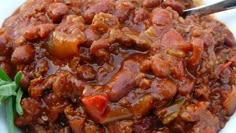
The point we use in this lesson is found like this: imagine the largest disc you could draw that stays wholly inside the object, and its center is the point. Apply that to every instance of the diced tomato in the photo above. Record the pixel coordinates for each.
(96, 105)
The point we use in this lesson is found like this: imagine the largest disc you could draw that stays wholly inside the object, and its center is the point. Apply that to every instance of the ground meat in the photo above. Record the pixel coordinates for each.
(34, 32)
(119, 66)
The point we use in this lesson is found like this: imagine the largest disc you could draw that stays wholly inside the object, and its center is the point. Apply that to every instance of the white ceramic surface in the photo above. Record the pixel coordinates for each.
(228, 17)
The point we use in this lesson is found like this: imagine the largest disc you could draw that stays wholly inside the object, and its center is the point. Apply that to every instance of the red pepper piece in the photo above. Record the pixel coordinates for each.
(96, 105)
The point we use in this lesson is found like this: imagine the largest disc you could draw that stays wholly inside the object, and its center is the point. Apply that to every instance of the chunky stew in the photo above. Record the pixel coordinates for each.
(119, 66)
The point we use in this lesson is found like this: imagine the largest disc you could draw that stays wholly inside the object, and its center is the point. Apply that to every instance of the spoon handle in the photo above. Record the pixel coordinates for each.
(209, 9)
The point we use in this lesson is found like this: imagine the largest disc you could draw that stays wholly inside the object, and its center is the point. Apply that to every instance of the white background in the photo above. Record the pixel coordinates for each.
(228, 17)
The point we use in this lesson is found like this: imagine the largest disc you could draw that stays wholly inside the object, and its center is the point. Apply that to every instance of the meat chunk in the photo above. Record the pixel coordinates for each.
(32, 109)
(86, 72)
(56, 11)
(72, 24)
(34, 32)
(99, 44)
(38, 85)
(23, 54)
(55, 106)
(104, 21)
(68, 86)
(76, 117)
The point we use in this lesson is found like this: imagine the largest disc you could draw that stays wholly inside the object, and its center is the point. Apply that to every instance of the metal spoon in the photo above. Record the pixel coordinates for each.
(209, 9)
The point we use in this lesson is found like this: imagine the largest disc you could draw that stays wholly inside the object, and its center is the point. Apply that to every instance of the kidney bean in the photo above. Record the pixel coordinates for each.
(91, 35)
(186, 86)
(160, 67)
(120, 85)
(141, 15)
(56, 11)
(23, 54)
(163, 89)
(161, 17)
(173, 40)
(151, 3)
(102, 6)
(175, 4)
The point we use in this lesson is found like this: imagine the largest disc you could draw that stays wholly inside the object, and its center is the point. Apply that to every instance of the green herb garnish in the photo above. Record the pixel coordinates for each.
(11, 93)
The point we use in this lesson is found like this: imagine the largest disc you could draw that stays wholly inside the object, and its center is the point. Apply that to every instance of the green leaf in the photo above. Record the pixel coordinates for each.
(10, 115)
(4, 76)
(11, 85)
(18, 78)
(8, 89)
(19, 95)
(2, 82)
(11, 92)
(7, 93)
